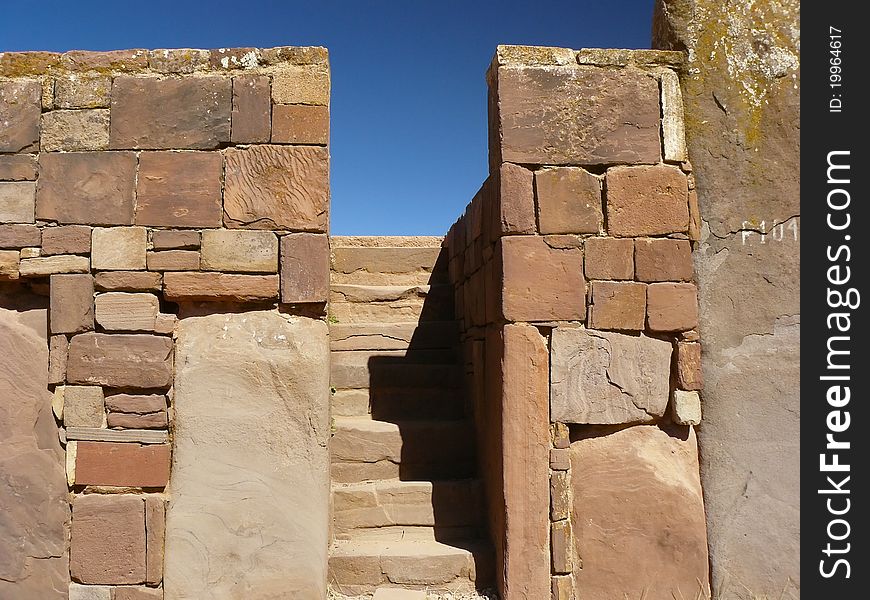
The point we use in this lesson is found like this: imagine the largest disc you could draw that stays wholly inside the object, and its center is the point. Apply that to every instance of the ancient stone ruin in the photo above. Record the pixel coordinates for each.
(206, 396)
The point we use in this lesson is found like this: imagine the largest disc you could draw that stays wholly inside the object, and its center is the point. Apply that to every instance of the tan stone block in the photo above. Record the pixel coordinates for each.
(78, 591)
(156, 420)
(563, 587)
(123, 311)
(179, 189)
(568, 200)
(301, 84)
(244, 251)
(178, 60)
(619, 305)
(85, 90)
(17, 201)
(20, 107)
(121, 464)
(562, 546)
(118, 248)
(9, 264)
(609, 258)
(129, 281)
(304, 268)
(66, 239)
(83, 406)
(688, 366)
(647, 200)
(30, 252)
(559, 459)
(75, 130)
(672, 306)
(663, 260)
(277, 187)
(52, 265)
(561, 435)
(300, 124)
(138, 593)
(165, 324)
(560, 499)
(219, 287)
(107, 538)
(155, 532)
(252, 105)
(19, 236)
(673, 127)
(686, 407)
(120, 360)
(173, 260)
(18, 167)
(72, 303)
(58, 348)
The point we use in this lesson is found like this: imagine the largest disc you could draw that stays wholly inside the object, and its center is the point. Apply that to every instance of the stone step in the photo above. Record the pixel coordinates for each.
(393, 336)
(359, 567)
(362, 368)
(427, 508)
(392, 404)
(390, 304)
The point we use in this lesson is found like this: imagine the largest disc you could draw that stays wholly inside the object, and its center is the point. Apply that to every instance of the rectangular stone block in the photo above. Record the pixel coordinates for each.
(30, 252)
(300, 124)
(686, 407)
(10, 261)
(647, 200)
(178, 60)
(75, 130)
(123, 311)
(619, 305)
(129, 281)
(301, 84)
(17, 201)
(155, 532)
(599, 377)
(179, 189)
(120, 360)
(136, 404)
(220, 287)
(609, 258)
(19, 236)
(672, 306)
(118, 248)
(72, 303)
(85, 90)
(92, 188)
(277, 187)
(78, 61)
(168, 239)
(173, 260)
(82, 405)
(516, 200)
(560, 497)
(157, 113)
(304, 268)
(122, 465)
(660, 259)
(562, 588)
(156, 420)
(252, 106)
(78, 591)
(18, 167)
(138, 593)
(240, 251)
(673, 127)
(20, 107)
(562, 546)
(688, 366)
(107, 538)
(51, 265)
(568, 200)
(66, 239)
(58, 347)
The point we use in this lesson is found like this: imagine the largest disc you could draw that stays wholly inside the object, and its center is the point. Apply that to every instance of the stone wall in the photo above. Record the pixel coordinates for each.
(575, 289)
(137, 187)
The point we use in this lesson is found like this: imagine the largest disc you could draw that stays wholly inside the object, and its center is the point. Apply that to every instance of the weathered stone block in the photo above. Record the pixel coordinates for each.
(672, 306)
(516, 200)
(219, 287)
(10, 261)
(562, 546)
(86, 187)
(75, 130)
(118, 248)
(157, 420)
(559, 459)
(78, 591)
(138, 593)
(51, 265)
(20, 107)
(173, 260)
(562, 588)
(155, 532)
(688, 366)
(252, 106)
(301, 84)
(136, 404)
(569, 201)
(673, 127)
(686, 407)
(277, 187)
(17, 167)
(120, 360)
(129, 281)
(66, 239)
(72, 303)
(134, 59)
(618, 305)
(663, 260)
(122, 465)
(304, 268)
(122, 311)
(58, 348)
(83, 406)
(107, 539)
(300, 124)
(178, 60)
(560, 496)
(19, 236)
(599, 377)
(86, 90)
(167, 239)
(243, 251)
(154, 113)
(17, 201)
(179, 189)
(647, 200)
(609, 258)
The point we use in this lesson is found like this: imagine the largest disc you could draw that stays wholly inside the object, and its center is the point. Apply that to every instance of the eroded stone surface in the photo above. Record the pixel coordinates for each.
(20, 107)
(108, 539)
(179, 189)
(120, 360)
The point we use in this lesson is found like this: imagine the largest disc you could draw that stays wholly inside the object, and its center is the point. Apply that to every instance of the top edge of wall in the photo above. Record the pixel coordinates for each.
(535, 56)
(392, 241)
(160, 61)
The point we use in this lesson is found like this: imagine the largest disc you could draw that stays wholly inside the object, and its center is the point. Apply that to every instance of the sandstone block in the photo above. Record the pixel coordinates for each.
(83, 406)
(123, 311)
(219, 287)
(9, 264)
(20, 107)
(686, 407)
(569, 201)
(560, 498)
(120, 360)
(663, 260)
(562, 587)
(129, 281)
(107, 539)
(561, 435)
(66, 239)
(252, 105)
(134, 59)
(540, 283)
(17, 167)
(52, 265)
(57, 355)
(156, 420)
(168, 239)
(136, 404)
(673, 128)
(118, 248)
(178, 60)
(18, 236)
(647, 200)
(30, 252)
(301, 84)
(304, 268)
(155, 532)
(173, 260)
(688, 366)
(86, 90)
(75, 130)
(609, 258)
(300, 124)
(179, 189)
(122, 465)
(242, 251)
(165, 323)
(618, 305)
(78, 591)
(694, 216)
(561, 546)
(72, 303)
(138, 593)
(17, 201)
(559, 459)
(155, 113)
(672, 306)
(86, 187)
(516, 200)
(277, 187)
(599, 377)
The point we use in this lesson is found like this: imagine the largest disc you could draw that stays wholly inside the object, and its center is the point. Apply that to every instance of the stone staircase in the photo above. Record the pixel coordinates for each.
(407, 509)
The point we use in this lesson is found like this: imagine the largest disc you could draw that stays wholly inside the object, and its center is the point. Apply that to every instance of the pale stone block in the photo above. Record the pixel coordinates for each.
(78, 591)
(119, 248)
(686, 407)
(53, 265)
(75, 130)
(237, 250)
(673, 127)
(9, 260)
(30, 252)
(301, 84)
(83, 406)
(122, 311)
(17, 201)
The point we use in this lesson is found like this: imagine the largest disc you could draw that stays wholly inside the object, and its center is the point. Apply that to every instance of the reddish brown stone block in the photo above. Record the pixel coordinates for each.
(663, 260)
(173, 260)
(688, 366)
(300, 124)
(157, 420)
(58, 347)
(163, 239)
(66, 239)
(20, 108)
(120, 360)
(122, 465)
(619, 305)
(72, 303)
(129, 281)
(19, 236)
(516, 200)
(155, 113)
(647, 200)
(672, 306)
(569, 201)
(113, 60)
(252, 105)
(219, 287)
(18, 167)
(304, 268)
(609, 258)
(179, 189)
(93, 188)
(107, 538)
(138, 593)
(136, 404)
(155, 532)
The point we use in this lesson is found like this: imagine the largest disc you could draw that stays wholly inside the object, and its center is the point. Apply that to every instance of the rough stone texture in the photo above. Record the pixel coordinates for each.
(167, 239)
(599, 377)
(609, 258)
(72, 303)
(672, 306)
(746, 160)
(686, 407)
(179, 189)
(118, 248)
(639, 515)
(158, 420)
(541, 283)
(18, 236)
(155, 532)
(562, 588)
(123, 311)
(560, 498)
(304, 268)
(242, 251)
(20, 107)
(155, 113)
(86, 187)
(138, 593)
(128, 281)
(663, 260)
(17, 201)
(20, 167)
(58, 348)
(617, 305)
(121, 465)
(75, 130)
(252, 106)
(82, 405)
(249, 443)
(51, 265)
(10, 261)
(139, 404)
(569, 201)
(647, 200)
(173, 260)
(108, 539)
(561, 546)
(91, 90)
(516, 200)
(66, 239)
(301, 84)
(120, 360)
(673, 125)
(687, 364)
(544, 116)
(33, 492)
(300, 124)
(220, 286)
(277, 187)
(78, 591)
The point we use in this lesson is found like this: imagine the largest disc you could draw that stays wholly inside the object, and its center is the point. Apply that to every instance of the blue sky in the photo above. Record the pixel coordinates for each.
(408, 92)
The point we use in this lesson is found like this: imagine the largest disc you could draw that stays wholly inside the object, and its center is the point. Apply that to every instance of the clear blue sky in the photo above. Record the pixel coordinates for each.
(408, 92)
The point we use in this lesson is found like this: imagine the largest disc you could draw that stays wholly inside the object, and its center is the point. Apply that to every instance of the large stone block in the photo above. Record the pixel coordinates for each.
(154, 113)
(599, 377)
(609, 258)
(516, 200)
(66, 239)
(252, 109)
(277, 187)
(120, 360)
(19, 236)
(662, 259)
(304, 267)
(72, 303)
(20, 107)
(119, 248)
(229, 287)
(568, 200)
(647, 200)
(179, 189)
(123, 311)
(241, 251)
(638, 515)
(249, 443)
(672, 306)
(301, 84)
(108, 539)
